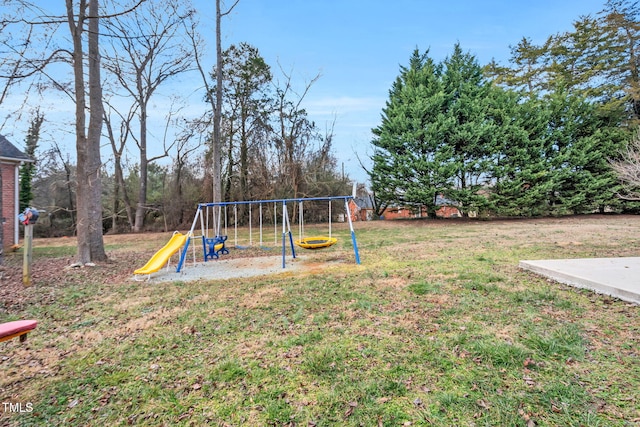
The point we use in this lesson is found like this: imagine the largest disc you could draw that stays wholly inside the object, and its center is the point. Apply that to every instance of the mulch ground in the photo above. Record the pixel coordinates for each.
(57, 272)
(47, 273)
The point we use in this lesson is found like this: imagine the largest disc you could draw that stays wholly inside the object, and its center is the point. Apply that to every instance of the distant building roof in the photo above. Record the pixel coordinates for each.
(441, 200)
(8, 151)
(364, 202)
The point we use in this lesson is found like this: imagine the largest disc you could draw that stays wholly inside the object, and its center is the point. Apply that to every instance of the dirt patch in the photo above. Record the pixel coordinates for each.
(48, 274)
(261, 298)
(222, 269)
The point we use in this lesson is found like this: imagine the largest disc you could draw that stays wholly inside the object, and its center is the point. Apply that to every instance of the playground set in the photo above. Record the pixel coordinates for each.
(214, 234)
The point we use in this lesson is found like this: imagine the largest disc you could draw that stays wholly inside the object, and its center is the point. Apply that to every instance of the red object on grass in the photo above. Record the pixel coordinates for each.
(18, 328)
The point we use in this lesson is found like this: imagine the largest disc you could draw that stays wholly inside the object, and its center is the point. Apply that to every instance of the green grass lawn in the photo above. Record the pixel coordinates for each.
(436, 327)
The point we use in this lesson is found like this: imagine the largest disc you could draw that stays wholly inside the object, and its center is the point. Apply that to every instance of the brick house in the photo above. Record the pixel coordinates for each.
(404, 212)
(10, 160)
(448, 208)
(362, 209)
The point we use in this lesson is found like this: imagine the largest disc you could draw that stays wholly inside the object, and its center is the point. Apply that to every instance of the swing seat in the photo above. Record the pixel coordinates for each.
(316, 242)
(214, 246)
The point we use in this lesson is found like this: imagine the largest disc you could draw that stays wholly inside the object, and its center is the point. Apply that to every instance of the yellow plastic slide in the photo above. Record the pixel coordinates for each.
(160, 258)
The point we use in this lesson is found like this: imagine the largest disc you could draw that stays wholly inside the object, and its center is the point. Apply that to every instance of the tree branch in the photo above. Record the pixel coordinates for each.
(230, 9)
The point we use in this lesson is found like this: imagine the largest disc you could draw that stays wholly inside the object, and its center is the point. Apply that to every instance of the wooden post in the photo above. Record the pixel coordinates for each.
(26, 263)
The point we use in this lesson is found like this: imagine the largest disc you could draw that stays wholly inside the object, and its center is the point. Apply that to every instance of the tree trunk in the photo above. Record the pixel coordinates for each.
(94, 181)
(121, 186)
(244, 161)
(178, 189)
(217, 114)
(142, 194)
(229, 175)
(89, 192)
(81, 139)
(144, 167)
(119, 178)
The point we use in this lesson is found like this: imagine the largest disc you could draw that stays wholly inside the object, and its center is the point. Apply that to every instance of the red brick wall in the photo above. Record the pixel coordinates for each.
(353, 210)
(8, 202)
(403, 213)
(358, 214)
(398, 213)
(448, 212)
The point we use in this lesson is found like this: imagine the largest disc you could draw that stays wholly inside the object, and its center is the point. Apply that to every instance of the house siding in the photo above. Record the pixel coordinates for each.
(404, 213)
(448, 212)
(9, 203)
(358, 213)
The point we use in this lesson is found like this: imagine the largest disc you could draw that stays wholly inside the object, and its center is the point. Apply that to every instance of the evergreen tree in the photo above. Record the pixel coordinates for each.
(411, 162)
(27, 170)
(520, 175)
(597, 60)
(620, 50)
(577, 61)
(441, 131)
(585, 82)
(528, 71)
(246, 108)
(579, 146)
(469, 131)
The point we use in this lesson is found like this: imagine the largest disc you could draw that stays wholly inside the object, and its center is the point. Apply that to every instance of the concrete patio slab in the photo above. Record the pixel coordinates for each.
(617, 277)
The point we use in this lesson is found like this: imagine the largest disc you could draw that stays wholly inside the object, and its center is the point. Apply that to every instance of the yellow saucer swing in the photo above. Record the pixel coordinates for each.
(313, 242)
(316, 242)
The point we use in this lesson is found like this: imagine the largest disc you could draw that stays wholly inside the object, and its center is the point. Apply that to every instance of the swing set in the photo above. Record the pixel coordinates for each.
(215, 233)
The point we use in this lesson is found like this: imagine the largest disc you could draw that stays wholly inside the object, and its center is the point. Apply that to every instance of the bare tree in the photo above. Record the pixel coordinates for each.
(146, 52)
(213, 94)
(188, 141)
(56, 154)
(24, 25)
(628, 170)
(17, 61)
(217, 112)
(89, 189)
(1, 225)
(294, 132)
(118, 144)
(82, 18)
(89, 192)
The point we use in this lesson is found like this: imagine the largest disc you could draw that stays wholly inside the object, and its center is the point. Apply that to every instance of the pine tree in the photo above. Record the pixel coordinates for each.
(469, 132)
(27, 170)
(442, 131)
(410, 160)
(620, 48)
(584, 83)
(520, 173)
(528, 71)
(598, 60)
(580, 145)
